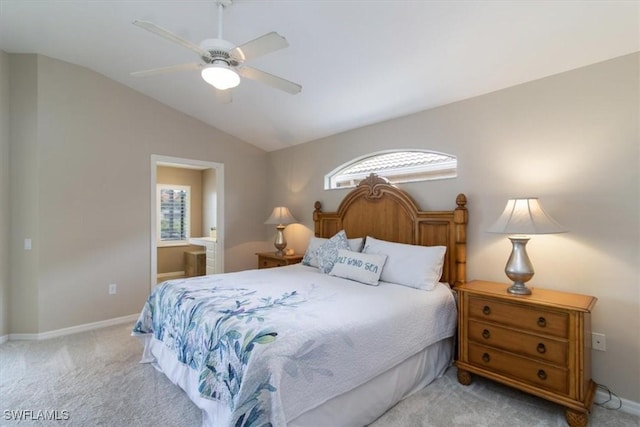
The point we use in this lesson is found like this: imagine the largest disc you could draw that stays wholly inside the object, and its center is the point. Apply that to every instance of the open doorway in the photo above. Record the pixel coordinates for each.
(210, 205)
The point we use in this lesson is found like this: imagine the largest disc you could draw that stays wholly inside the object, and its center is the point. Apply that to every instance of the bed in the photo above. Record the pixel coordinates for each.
(325, 342)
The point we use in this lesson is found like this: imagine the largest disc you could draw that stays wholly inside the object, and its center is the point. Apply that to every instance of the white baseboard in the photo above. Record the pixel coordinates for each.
(74, 329)
(628, 406)
(4, 339)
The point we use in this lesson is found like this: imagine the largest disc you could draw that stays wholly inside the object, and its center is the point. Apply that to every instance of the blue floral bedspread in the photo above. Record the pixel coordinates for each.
(258, 339)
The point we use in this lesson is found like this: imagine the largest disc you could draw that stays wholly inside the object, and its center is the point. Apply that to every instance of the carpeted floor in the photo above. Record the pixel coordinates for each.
(94, 379)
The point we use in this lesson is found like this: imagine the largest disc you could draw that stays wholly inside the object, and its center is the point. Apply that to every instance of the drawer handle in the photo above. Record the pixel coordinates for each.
(541, 348)
(542, 322)
(486, 334)
(486, 310)
(486, 358)
(542, 374)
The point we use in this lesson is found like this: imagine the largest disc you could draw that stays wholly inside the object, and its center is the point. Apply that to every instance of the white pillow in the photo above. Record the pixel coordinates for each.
(415, 266)
(311, 255)
(328, 252)
(364, 268)
(355, 245)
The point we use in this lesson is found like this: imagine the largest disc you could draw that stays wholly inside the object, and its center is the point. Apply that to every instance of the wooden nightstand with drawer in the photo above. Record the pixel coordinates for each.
(270, 259)
(538, 343)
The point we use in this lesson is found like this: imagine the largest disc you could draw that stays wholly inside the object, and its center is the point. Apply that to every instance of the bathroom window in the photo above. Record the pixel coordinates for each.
(173, 214)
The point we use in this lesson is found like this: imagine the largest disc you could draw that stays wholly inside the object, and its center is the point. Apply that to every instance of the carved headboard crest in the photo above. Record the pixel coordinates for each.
(378, 209)
(373, 183)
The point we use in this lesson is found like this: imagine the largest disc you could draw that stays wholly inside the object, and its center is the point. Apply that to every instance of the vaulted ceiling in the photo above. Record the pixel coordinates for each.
(359, 62)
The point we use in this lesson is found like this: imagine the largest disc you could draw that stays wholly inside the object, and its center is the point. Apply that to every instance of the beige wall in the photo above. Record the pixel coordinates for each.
(5, 191)
(171, 258)
(24, 182)
(81, 148)
(570, 139)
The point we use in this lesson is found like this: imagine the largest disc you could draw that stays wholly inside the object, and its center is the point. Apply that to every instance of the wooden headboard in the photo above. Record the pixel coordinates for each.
(378, 209)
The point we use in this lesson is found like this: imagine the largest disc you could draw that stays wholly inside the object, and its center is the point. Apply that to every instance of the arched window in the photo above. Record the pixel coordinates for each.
(396, 166)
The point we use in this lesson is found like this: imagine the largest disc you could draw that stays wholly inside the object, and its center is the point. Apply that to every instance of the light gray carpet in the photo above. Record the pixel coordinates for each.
(96, 377)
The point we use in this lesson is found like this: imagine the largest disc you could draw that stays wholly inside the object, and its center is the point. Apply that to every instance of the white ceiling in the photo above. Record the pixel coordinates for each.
(359, 62)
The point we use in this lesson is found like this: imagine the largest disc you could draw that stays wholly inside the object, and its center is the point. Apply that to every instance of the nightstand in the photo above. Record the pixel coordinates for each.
(538, 343)
(270, 259)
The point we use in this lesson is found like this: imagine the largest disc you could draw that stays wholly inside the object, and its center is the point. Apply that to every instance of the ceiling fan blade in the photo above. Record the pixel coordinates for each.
(269, 79)
(169, 69)
(168, 35)
(262, 45)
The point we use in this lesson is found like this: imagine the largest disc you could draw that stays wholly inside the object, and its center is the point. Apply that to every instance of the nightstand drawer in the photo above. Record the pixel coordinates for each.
(524, 369)
(271, 259)
(533, 346)
(268, 263)
(518, 316)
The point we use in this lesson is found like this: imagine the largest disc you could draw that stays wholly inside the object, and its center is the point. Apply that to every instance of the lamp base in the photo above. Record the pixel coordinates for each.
(280, 243)
(519, 288)
(519, 267)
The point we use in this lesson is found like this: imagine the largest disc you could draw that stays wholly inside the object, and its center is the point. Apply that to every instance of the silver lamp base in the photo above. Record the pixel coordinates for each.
(280, 243)
(519, 267)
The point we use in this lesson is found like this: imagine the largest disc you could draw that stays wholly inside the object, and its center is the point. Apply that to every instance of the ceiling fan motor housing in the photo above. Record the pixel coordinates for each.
(219, 50)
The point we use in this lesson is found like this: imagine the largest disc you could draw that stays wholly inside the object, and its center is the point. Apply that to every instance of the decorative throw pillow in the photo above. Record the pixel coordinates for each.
(328, 252)
(311, 255)
(415, 266)
(364, 268)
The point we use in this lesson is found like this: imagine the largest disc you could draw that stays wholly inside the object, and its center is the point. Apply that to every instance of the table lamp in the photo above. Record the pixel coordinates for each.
(522, 217)
(280, 216)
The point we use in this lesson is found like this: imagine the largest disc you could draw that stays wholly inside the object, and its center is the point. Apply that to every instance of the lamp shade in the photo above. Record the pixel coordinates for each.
(281, 216)
(220, 76)
(525, 216)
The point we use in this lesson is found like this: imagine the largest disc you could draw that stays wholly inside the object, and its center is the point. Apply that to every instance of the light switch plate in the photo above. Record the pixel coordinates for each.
(598, 342)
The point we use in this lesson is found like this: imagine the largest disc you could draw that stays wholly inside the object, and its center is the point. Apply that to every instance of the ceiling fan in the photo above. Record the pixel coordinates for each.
(222, 61)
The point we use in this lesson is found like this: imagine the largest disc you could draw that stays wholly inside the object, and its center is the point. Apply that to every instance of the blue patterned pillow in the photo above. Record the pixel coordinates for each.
(328, 252)
(311, 255)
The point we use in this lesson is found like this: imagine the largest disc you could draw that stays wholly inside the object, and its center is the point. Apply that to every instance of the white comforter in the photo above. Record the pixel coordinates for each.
(271, 344)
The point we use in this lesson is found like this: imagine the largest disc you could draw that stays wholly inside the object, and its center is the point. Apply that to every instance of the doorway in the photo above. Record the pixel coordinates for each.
(212, 208)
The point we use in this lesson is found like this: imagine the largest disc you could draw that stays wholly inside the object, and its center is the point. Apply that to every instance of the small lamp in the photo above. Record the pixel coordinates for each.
(522, 217)
(280, 216)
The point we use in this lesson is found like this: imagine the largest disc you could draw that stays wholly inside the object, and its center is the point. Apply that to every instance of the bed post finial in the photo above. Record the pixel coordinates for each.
(317, 209)
(461, 200)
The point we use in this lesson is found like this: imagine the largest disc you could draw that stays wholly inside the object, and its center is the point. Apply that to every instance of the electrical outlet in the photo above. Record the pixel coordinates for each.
(598, 342)
(113, 288)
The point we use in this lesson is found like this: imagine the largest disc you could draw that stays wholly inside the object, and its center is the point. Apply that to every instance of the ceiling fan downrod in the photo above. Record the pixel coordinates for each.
(221, 5)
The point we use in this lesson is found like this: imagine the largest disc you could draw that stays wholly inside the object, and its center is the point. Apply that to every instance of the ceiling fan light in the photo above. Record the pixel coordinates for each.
(220, 76)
